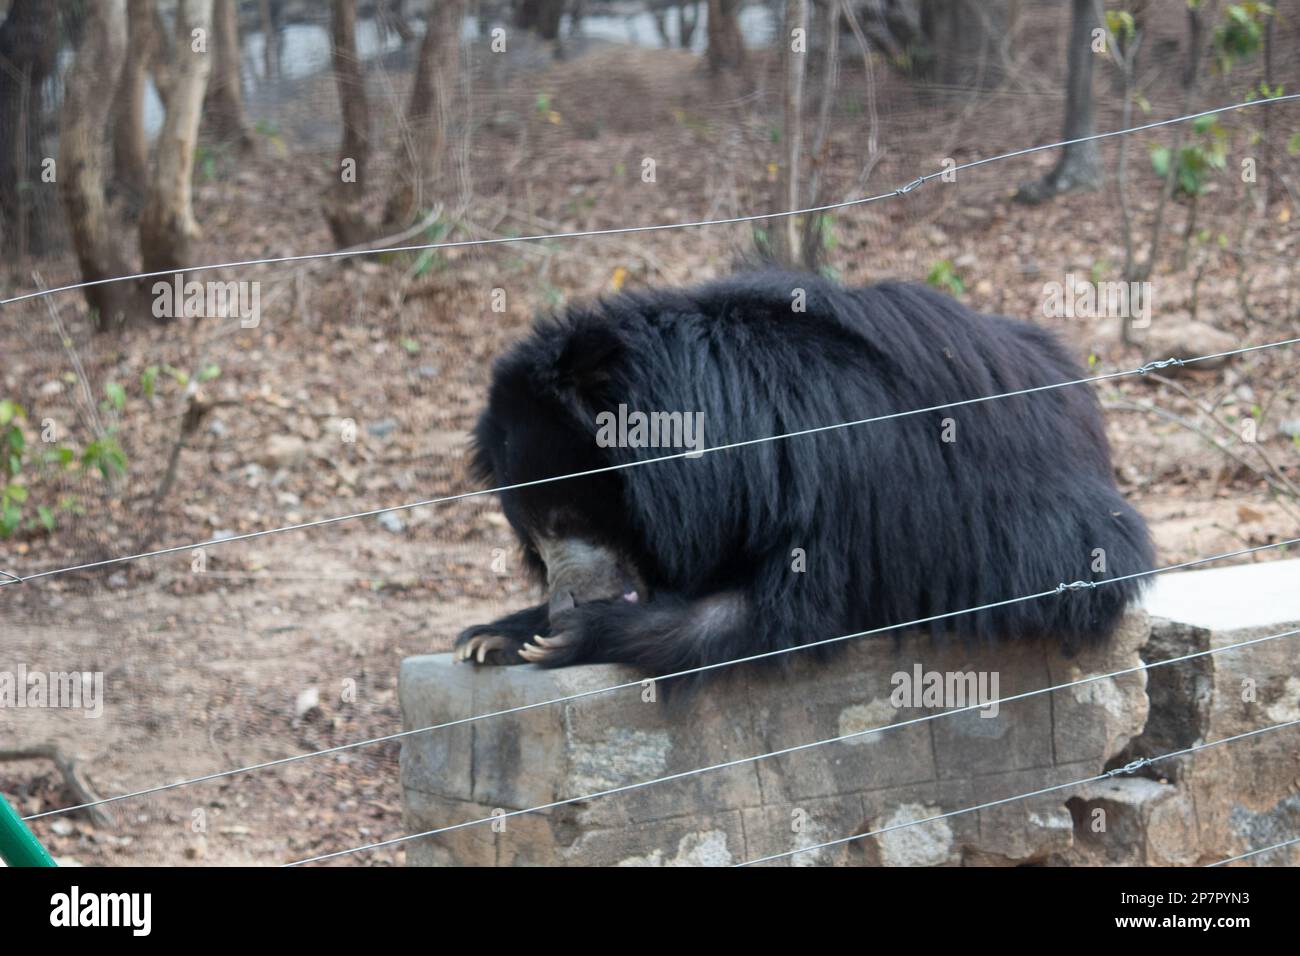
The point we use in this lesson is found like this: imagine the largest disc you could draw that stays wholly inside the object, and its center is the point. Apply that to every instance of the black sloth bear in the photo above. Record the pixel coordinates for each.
(672, 565)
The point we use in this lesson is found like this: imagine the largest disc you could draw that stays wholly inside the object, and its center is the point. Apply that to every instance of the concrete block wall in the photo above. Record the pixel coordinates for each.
(726, 816)
(1238, 797)
(1193, 810)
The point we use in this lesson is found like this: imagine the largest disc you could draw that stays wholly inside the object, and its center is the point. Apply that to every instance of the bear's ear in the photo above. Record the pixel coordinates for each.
(586, 361)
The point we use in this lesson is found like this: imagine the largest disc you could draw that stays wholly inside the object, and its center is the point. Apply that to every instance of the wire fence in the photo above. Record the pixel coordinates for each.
(658, 227)
(13, 578)
(10, 578)
(799, 748)
(641, 683)
(1263, 849)
(1118, 772)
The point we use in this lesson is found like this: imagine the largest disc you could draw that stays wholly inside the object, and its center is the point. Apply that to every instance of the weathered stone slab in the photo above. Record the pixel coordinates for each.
(756, 808)
(1229, 598)
(1135, 820)
(1242, 793)
(1194, 809)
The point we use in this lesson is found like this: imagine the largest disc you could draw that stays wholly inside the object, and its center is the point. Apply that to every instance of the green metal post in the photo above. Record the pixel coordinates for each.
(18, 845)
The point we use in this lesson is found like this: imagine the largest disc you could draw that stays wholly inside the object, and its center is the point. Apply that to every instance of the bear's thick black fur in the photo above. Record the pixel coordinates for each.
(893, 523)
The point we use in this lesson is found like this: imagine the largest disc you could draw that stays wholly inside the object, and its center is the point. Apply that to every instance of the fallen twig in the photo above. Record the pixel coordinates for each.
(67, 766)
(1281, 488)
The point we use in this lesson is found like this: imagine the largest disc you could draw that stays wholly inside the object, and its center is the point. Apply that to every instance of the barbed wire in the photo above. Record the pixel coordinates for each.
(1263, 849)
(388, 738)
(798, 748)
(12, 578)
(658, 227)
(1128, 768)
(1119, 771)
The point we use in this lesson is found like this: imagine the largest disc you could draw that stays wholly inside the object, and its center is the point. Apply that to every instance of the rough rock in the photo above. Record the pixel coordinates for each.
(873, 781)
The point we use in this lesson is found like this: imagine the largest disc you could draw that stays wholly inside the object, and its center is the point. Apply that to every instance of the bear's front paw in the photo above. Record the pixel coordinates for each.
(482, 645)
(573, 637)
(554, 651)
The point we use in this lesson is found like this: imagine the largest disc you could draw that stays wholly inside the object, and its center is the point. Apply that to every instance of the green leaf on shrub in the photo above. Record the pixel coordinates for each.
(148, 380)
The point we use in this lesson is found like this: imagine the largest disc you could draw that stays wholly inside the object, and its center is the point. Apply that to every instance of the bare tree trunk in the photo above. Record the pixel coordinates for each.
(1128, 63)
(814, 225)
(1270, 173)
(29, 43)
(391, 16)
(82, 143)
(726, 49)
(427, 114)
(1079, 166)
(1124, 52)
(1197, 18)
(344, 208)
(270, 37)
(966, 42)
(130, 145)
(787, 232)
(873, 115)
(686, 25)
(540, 16)
(660, 14)
(168, 227)
(224, 104)
(162, 62)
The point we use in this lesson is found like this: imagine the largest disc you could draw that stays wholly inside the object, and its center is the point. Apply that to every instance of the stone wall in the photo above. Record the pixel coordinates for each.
(1191, 810)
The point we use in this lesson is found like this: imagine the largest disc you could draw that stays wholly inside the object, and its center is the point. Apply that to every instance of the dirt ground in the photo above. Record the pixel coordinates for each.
(290, 643)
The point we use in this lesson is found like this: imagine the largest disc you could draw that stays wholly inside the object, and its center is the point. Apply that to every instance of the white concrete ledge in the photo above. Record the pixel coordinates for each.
(1229, 598)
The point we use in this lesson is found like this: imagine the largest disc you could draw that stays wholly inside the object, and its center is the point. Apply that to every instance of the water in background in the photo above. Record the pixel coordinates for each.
(304, 48)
